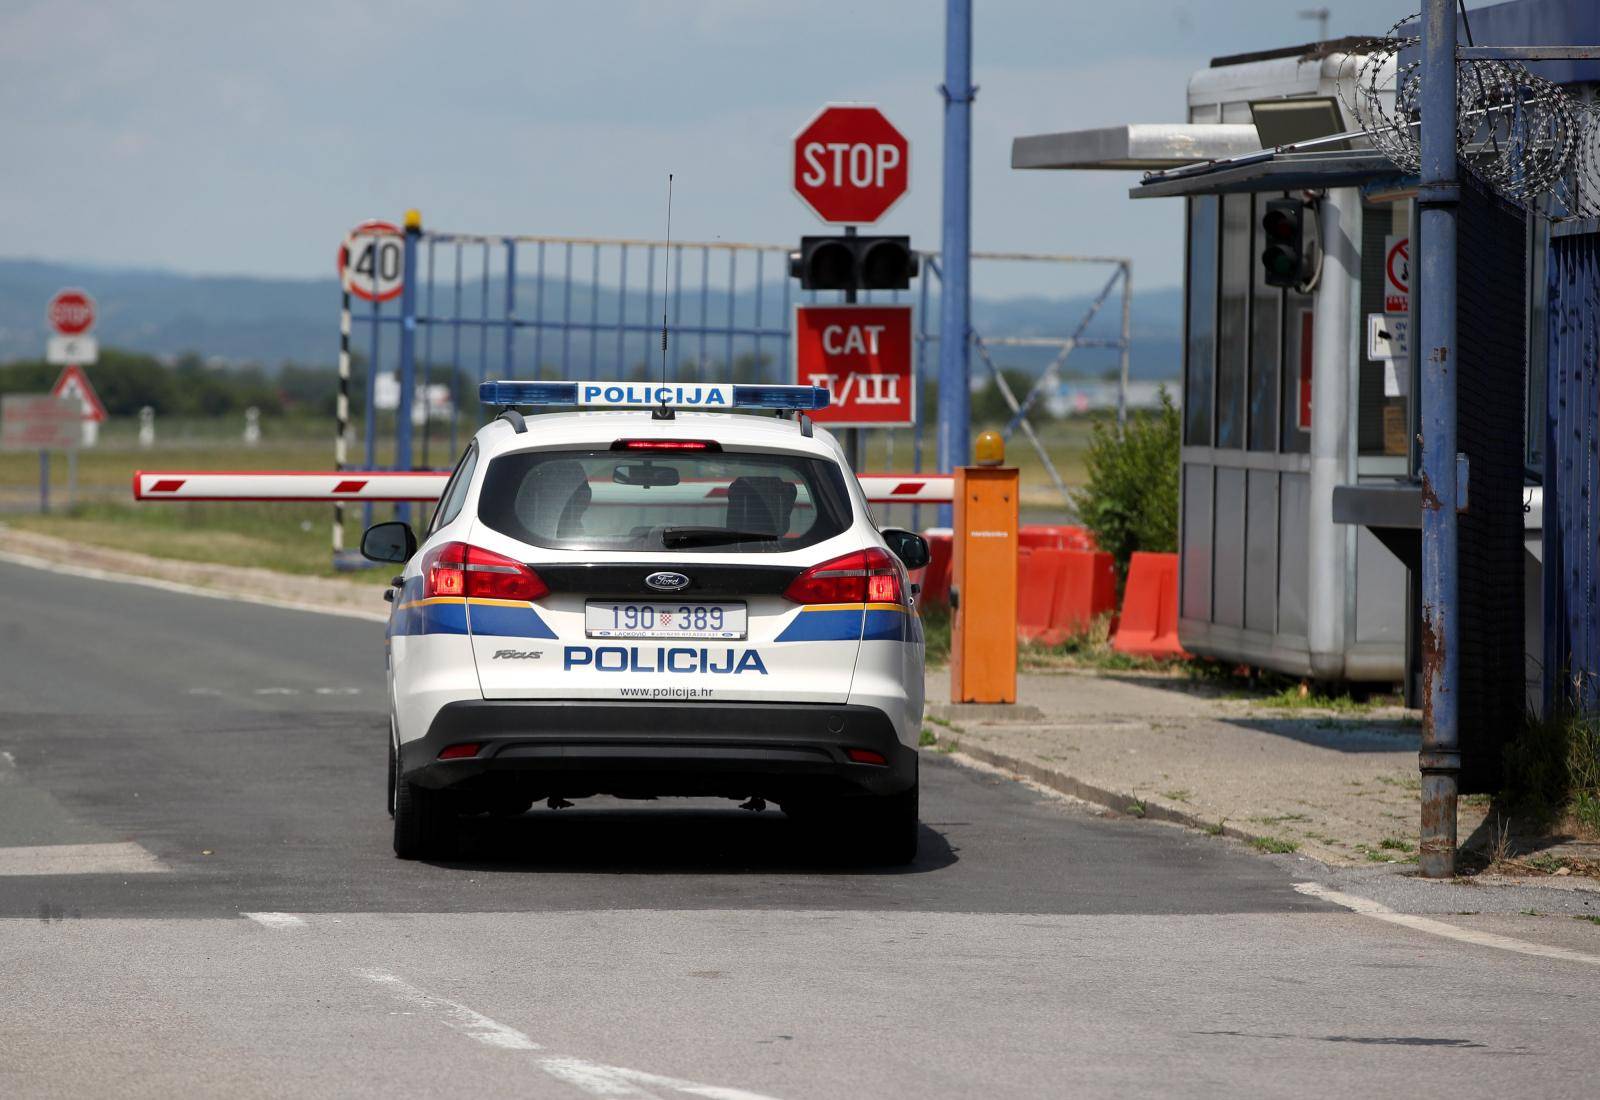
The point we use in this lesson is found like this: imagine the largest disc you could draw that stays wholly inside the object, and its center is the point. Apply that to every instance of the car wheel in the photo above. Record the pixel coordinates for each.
(424, 822)
(883, 828)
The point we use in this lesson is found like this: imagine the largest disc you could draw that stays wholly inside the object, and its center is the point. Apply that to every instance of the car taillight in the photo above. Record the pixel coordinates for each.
(666, 445)
(865, 576)
(459, 569)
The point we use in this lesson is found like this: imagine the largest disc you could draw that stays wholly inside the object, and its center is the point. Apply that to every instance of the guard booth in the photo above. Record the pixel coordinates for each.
(1301, 508)
(1282, 404)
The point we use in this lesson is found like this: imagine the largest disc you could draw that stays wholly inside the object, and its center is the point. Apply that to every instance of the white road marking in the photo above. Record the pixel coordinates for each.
(339, 691)
(124, 858)
(277, 691)
(1369, 908)
(277, 920)
(474, 1025)
(591, 1077)
(49, 566)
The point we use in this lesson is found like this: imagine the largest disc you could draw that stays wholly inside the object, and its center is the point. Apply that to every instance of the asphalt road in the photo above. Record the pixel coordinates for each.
(197, 896)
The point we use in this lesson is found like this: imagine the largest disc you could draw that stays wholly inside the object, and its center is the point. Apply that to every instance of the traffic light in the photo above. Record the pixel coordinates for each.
(854, 263)
(1283, 230)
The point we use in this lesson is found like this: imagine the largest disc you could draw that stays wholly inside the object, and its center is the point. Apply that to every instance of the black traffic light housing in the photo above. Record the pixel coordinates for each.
(853, 262)
(1285, 259)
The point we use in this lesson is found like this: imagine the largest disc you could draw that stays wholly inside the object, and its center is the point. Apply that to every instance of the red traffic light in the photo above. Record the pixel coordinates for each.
(1278, 225)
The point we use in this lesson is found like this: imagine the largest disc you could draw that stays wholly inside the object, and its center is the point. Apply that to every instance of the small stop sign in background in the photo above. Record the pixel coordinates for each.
(71, 312)
(862, 356)
(850, 164)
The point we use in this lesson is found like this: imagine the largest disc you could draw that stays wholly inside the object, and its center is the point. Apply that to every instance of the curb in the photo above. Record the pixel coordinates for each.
(1114, 801)
(956, 713)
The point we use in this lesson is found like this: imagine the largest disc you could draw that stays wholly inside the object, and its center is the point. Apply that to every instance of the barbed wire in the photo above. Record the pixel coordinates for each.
(1524, 136)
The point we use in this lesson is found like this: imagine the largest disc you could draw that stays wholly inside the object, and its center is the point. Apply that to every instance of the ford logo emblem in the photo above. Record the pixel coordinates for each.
(667, 582)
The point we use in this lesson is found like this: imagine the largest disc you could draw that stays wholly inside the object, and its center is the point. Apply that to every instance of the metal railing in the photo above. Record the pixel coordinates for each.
(484, 306)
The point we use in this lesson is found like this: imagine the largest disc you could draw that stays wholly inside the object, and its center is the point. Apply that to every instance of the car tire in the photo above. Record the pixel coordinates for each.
(424, 822)
(883, 828)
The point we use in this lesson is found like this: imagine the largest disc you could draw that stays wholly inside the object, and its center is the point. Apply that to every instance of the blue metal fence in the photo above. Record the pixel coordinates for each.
(477, 307)
(1571, 509)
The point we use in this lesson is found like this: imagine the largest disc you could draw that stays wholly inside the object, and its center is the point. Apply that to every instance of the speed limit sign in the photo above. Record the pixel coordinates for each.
(371, 261)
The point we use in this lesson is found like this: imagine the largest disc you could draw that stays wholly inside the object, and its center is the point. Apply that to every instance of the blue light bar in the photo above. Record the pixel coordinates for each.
(780, 397)
(650, 395)
(528, 393)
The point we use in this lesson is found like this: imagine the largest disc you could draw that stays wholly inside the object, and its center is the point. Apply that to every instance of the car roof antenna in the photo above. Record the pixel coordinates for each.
(665, 411)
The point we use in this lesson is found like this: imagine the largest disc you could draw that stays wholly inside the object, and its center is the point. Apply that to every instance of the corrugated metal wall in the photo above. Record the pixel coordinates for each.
(1572, 467)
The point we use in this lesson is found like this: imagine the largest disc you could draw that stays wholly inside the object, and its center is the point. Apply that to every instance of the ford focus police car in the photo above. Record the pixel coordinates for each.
(648, 597)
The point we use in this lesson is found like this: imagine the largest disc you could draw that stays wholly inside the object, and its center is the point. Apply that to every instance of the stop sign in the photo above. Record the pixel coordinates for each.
(71, 312)
(850, 164)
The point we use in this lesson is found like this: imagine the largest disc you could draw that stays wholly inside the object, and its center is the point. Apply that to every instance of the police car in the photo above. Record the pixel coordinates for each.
(673, 590)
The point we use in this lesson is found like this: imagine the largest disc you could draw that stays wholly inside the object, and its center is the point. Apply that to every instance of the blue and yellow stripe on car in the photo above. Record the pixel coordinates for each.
(464, 615)
(849, 622)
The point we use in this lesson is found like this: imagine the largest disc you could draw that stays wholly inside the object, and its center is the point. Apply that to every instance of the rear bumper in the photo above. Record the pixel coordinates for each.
(579, 748)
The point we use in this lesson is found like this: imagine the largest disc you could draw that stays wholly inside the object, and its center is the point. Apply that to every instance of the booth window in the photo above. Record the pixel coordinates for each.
(1200, 321)
(1298, 364)
(1382, 424)
(1266, 345)
(1233, 320)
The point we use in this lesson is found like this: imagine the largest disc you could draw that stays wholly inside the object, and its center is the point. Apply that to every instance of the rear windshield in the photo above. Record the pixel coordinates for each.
(688, 502)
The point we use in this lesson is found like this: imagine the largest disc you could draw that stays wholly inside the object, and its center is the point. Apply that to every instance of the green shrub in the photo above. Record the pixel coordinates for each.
(1554, 767)
(1131, 500)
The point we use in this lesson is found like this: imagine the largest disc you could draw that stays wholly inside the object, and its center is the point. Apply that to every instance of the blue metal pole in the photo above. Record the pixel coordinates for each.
(955, 252)
(1437, 199)
(408, 354)
(510, 364)
(373, 363)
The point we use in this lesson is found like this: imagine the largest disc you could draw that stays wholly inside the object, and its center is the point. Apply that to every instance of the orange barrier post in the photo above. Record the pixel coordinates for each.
(1087, 589)
(983, 579)
(936, 577)
(1149, 626)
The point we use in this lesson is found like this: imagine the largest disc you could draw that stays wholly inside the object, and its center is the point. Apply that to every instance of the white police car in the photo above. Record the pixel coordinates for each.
(654, 600)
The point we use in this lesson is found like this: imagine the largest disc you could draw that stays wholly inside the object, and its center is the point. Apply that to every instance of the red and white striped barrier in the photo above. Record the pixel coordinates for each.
(365, 485)
(287, 485)
(908, 488)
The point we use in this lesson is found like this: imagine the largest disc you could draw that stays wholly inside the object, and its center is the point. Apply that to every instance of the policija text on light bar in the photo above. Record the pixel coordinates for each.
(642, 395)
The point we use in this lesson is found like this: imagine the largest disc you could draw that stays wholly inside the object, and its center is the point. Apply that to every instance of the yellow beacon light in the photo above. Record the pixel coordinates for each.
(413, 218)
(990, 449)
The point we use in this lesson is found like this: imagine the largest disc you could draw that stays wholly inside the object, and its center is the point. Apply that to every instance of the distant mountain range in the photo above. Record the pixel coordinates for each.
(235, 320)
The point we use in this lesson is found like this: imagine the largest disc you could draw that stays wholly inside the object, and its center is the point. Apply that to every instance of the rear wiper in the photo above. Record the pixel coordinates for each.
(705, 536)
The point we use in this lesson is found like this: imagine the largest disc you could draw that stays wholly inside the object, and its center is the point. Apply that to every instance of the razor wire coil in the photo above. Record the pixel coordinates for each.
(1526, 137)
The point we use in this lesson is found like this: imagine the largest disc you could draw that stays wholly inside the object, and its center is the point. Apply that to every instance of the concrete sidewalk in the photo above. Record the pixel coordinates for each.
(1341, 787)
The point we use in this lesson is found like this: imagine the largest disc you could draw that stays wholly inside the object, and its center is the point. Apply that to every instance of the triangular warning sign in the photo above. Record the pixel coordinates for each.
(75, 384)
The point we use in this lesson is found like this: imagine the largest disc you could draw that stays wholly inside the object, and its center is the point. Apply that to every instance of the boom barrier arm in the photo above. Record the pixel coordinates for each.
(390, 486)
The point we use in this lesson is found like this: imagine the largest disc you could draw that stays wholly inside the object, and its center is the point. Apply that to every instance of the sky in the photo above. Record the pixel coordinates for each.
(246, 138)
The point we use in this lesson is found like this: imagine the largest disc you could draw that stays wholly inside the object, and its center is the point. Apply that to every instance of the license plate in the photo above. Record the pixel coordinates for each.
(617, 619)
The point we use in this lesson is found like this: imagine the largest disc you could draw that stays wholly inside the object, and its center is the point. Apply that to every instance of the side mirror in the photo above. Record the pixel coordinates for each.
(910, 547)
(391, 542)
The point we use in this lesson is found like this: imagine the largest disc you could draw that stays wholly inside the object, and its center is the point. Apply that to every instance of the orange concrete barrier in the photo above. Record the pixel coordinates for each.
(935, 579)
(1149, 623)
(1038, 576)
(1086, 588)
(1055, 536)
